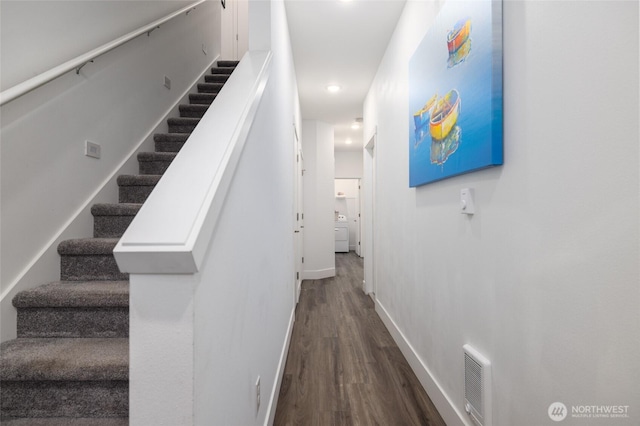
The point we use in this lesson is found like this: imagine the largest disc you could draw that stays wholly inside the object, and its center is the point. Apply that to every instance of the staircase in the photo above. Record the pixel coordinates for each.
(70, 362)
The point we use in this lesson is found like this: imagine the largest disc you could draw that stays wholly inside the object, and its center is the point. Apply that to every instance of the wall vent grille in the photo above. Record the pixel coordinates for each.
(477, 386)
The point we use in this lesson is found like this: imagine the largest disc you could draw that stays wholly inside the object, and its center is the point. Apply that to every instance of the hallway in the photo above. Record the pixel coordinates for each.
(343, 367)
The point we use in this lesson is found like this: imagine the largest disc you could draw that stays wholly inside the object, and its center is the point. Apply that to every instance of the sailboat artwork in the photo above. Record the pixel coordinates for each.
(446, 72)
(459, 42)
(440, 115)
(458, 35)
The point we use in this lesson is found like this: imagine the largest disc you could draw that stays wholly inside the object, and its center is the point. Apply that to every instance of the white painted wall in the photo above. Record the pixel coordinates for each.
(259, 18)
(544, 278)
(348, 164)
(47, 184)
(319, 200)
(39, 35)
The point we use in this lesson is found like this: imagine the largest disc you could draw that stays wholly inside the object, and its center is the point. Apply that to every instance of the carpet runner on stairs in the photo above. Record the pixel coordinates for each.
(70, 363)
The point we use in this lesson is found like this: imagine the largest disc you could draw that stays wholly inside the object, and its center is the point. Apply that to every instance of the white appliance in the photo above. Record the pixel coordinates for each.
(342, 236)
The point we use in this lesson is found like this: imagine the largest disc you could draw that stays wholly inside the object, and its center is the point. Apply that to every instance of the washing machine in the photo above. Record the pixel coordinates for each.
(342, 236)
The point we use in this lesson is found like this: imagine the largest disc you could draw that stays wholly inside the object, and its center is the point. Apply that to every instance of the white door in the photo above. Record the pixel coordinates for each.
(234, 29)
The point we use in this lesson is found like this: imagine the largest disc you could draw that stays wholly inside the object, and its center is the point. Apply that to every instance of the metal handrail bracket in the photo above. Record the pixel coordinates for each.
(80, 61)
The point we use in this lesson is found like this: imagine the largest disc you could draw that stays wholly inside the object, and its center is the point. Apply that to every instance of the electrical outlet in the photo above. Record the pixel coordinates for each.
(92, 149)
(167, 82)
(258, 394)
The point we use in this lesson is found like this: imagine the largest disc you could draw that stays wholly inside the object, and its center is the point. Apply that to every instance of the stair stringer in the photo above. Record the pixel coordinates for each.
(46, 263)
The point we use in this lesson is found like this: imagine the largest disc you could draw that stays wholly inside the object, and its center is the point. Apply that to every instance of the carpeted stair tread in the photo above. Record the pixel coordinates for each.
(138, 180)
(155, 163)
(202, 98)
(226, 63)
(136, 188)
(222, 70)
(112, 220)
(75, 294)
(210, 87)
(170, 142)
(115, 209)
(182, 124)
(66, 421)
(216, 78)
(78, 309)
(87, 259)
(194, 111)
(156, 156)
(64, 398)
(65, 359)
(171, 137)
(182, 121)
(87, 246)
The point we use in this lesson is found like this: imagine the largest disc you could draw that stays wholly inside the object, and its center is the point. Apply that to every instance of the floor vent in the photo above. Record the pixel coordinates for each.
(477, 386)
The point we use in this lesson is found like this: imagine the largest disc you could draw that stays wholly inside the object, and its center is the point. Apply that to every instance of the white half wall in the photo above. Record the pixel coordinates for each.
(231, 321)
(544, 279)
(245, 300)
(348, 164)
(319, 200)
(47, 183)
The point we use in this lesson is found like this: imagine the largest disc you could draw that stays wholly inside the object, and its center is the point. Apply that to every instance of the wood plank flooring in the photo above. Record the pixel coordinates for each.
(343, 367)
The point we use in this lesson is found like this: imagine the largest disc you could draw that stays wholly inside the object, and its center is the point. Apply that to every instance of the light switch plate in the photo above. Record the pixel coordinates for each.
(92, 149)
(467, 206)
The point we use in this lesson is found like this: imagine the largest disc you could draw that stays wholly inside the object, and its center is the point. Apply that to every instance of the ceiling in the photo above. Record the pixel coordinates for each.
(339, 42)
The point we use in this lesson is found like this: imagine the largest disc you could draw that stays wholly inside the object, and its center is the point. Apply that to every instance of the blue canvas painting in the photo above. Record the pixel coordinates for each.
(455, 93)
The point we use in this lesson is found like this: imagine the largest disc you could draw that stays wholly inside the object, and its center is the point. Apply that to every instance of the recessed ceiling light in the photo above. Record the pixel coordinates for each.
(355, 126)
(348, 141)
(333, 88)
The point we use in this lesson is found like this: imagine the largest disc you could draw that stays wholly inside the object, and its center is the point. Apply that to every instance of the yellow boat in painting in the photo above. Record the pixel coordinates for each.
(423, 116)
(444, 115)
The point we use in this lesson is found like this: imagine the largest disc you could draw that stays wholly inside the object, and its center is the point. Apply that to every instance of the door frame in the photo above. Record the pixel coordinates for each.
(358, 218)
(368, 212)
(359, 227)
(298, 213)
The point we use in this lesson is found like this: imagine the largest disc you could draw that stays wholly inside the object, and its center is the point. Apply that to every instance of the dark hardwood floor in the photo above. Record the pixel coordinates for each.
(343, 367)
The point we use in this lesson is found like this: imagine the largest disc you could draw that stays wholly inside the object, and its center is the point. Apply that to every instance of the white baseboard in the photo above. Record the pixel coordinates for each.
(273, 401)
(319, 274)
(450, 414)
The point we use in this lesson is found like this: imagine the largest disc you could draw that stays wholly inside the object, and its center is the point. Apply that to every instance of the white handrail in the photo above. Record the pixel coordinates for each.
(78, 62)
